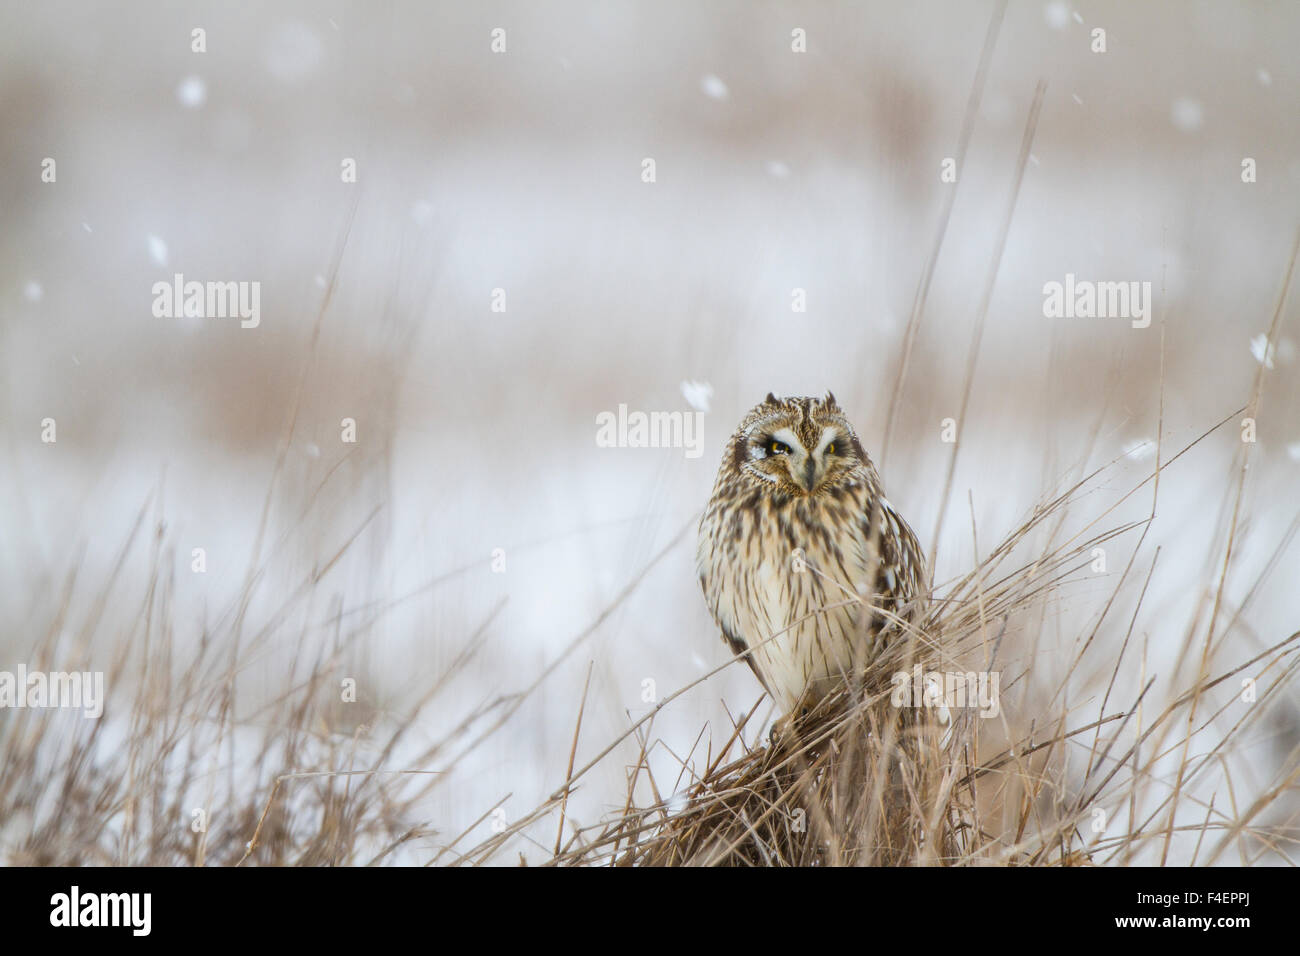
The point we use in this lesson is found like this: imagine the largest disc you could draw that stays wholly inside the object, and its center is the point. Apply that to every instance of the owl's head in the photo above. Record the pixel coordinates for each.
(797, 446)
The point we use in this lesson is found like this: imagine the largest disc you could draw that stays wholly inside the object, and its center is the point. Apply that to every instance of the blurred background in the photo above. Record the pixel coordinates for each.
(500, 273)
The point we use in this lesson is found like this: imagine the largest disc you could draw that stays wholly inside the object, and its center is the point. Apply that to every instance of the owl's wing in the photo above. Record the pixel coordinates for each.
(900, 563)
(907, 557)
(738, 646)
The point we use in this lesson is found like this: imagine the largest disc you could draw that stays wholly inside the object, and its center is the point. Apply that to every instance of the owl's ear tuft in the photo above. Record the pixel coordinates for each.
(831, 404)
(771, 400)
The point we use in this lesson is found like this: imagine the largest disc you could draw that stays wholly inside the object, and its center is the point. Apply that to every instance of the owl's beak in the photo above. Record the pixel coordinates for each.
(808, 477)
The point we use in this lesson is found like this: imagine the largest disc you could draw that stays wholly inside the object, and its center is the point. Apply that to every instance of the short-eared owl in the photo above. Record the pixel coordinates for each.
(798, 543)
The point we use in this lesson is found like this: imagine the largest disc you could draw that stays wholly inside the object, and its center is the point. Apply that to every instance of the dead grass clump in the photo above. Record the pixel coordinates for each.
(1076, 759)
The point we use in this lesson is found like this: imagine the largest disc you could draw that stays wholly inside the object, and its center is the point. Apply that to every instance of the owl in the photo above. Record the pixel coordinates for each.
(803, 561)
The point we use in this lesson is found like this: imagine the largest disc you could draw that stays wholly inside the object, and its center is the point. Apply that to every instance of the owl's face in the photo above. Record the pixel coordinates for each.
(796, 446)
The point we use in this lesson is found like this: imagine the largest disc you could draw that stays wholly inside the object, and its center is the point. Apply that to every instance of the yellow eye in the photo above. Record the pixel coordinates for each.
(778, 448)
(830, 449)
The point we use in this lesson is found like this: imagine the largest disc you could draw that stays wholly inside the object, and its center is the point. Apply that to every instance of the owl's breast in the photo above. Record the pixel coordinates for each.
(786, 582)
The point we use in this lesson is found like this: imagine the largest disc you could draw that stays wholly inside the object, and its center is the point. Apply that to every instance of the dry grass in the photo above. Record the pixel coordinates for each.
(1088, 758)
(1042, 782)
(300, 779)
(864, 781)
(124, 789)
(1095, 755)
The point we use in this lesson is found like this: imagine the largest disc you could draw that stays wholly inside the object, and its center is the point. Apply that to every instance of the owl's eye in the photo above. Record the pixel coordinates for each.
(775, 447)
(830, 449)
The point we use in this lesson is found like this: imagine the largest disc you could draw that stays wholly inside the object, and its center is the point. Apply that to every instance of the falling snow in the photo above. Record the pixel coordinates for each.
(293, 52)
(698, 394)
(713, 87)
(192, 92)
(158, 250)
(1187, 114)
(422, 212)
(1140, 449)
(1262, 350)
(1057, 14)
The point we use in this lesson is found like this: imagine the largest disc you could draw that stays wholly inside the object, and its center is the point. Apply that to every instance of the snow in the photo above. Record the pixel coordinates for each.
(1262, 350)
(698, 394)
(713, 87)
(293, 52)
(192, 92)
(1187, 114)
(1140, 449)
(422, 212)
(158, 250)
